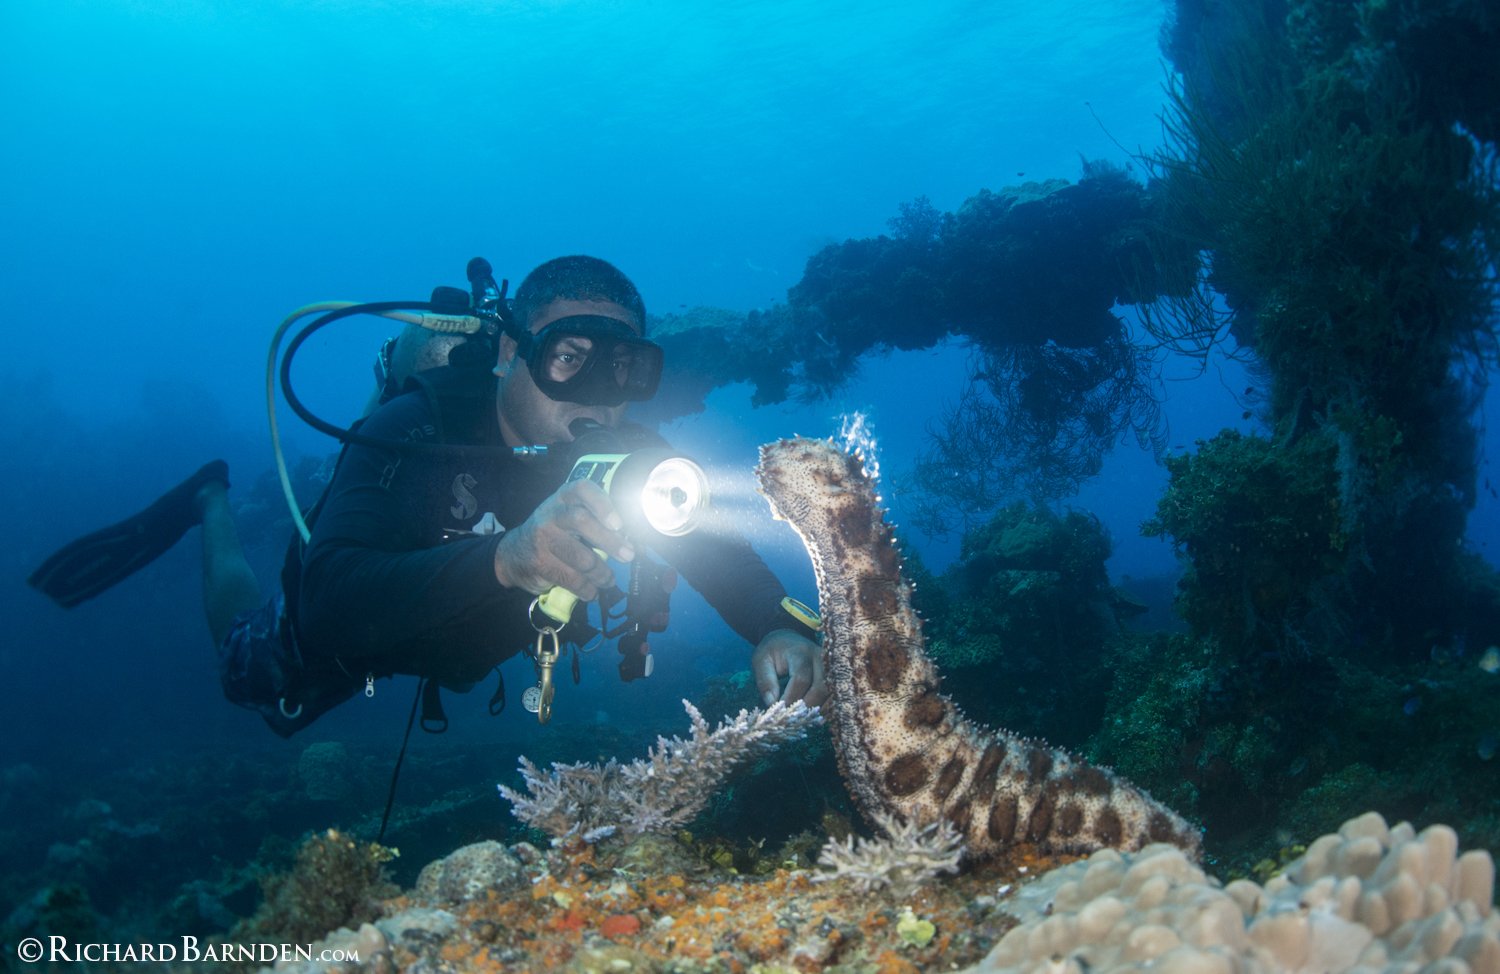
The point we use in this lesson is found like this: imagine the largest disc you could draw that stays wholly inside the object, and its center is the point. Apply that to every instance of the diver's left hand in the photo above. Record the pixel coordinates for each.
(783, 653)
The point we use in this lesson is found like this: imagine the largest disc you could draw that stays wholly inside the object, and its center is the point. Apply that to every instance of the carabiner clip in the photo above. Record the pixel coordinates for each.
(547, 653)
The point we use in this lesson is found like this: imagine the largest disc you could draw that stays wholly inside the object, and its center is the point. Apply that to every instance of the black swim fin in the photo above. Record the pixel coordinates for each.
(82, 569)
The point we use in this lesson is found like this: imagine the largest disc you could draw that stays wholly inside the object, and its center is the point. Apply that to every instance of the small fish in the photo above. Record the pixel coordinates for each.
(1412, 705)
(1490, 661)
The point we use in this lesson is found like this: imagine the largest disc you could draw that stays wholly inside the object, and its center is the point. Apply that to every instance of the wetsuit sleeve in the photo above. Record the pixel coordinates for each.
(373, 587)
(733, 579)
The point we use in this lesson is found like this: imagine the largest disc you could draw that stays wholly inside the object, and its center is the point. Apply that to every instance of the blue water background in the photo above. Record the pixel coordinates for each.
(179, 175)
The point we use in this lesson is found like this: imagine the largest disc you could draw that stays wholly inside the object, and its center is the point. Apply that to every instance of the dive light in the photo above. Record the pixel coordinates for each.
(654, 490)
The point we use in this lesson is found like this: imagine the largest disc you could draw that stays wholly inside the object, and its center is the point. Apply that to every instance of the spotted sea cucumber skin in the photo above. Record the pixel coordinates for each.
(903, 747)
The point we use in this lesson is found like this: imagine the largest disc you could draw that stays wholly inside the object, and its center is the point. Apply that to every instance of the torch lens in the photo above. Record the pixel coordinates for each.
(675, 496)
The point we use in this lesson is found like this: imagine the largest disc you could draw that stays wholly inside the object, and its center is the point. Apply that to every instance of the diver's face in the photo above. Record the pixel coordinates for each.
(527, 415)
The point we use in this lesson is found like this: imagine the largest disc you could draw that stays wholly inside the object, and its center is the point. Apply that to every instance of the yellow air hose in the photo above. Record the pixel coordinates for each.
(271, 360)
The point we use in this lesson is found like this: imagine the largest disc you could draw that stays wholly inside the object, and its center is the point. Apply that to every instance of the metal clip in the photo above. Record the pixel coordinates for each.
(547, 654)
(370, 684)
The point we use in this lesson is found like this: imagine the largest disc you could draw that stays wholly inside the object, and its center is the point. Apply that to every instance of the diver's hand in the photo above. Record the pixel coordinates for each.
(783, 653)
(555, 546)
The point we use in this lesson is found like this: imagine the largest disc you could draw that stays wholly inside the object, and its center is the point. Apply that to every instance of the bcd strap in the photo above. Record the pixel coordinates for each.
(434, 721)
(461, 402)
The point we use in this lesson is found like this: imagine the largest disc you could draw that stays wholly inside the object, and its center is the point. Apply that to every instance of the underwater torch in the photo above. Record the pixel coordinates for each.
(654, 490)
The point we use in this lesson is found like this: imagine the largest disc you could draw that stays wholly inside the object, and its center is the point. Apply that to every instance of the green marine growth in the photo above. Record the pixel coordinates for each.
(337, 881)
(1241, 700)
(1335, 164)
(1232, 722)
(1028, 607)
(1150, 730)
(1262, 531)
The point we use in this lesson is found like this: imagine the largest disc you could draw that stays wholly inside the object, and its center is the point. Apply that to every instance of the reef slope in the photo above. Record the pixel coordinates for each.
(903, 747)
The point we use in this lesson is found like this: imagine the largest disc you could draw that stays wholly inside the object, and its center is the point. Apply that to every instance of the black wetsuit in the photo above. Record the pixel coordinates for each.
(394, 580)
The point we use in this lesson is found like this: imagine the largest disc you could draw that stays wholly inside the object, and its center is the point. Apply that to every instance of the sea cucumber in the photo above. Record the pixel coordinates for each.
(903, 747)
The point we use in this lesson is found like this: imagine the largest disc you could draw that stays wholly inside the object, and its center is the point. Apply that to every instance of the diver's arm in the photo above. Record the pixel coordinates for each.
(732, 577)
(723, 567)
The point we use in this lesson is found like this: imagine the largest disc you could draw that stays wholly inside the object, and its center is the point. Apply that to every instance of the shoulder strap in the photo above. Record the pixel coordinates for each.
(462, 401)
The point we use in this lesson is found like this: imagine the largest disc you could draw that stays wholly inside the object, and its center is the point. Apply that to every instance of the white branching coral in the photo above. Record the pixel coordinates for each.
(663, 791)
(907, 856)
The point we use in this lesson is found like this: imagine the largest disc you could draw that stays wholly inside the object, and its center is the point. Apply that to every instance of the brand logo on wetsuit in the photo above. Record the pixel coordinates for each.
(467, 503)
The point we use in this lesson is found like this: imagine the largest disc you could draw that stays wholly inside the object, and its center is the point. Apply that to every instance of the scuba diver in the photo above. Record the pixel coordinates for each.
(454, 514)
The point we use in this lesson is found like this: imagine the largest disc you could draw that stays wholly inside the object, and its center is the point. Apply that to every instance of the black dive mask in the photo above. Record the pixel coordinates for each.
(591, 360)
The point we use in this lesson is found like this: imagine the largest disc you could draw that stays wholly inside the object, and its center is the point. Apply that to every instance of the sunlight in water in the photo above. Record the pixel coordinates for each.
(857, 436)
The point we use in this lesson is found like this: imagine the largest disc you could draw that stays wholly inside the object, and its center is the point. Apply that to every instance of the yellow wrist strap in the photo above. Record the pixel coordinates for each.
(800, 612)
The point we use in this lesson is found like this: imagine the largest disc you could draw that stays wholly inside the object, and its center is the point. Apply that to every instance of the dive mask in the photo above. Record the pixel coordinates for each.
(591, 360)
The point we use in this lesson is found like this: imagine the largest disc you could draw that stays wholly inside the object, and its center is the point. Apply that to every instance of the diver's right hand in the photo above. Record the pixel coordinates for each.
(555, 546)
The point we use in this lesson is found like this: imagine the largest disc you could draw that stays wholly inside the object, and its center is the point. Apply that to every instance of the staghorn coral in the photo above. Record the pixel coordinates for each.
(909, 855)
(903, 747)
(657, 794)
